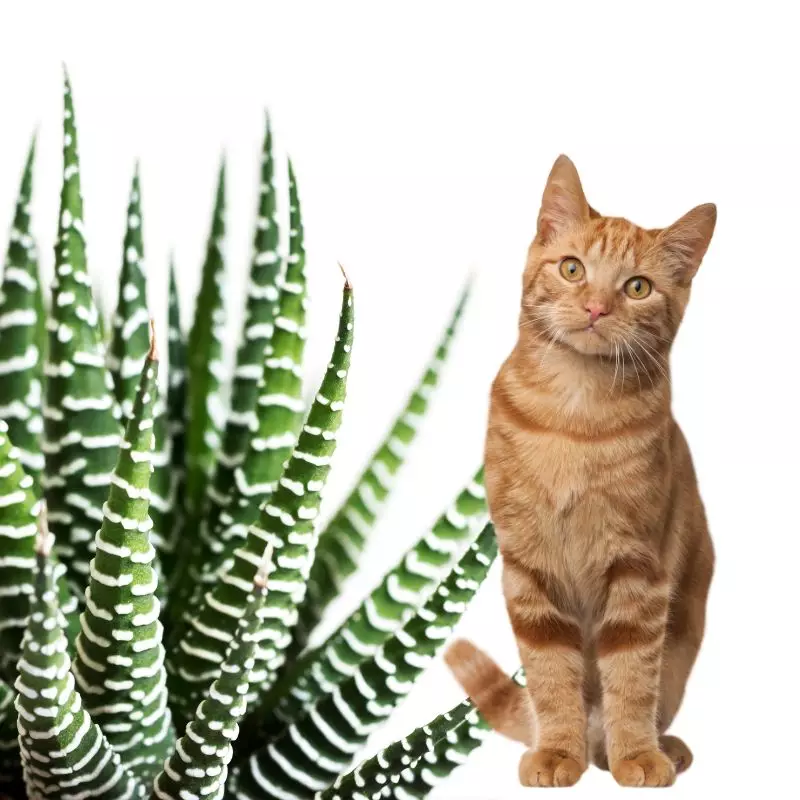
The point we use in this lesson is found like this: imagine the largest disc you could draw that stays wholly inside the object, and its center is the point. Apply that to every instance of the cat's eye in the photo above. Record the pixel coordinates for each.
(638, 288)
(571, 269)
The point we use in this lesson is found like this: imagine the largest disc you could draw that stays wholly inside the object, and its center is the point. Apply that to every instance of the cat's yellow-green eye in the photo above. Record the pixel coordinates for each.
(571, 269)
(638, 288)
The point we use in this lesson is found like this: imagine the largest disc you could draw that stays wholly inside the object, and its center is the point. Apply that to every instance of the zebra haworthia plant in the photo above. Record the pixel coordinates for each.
(162, 564)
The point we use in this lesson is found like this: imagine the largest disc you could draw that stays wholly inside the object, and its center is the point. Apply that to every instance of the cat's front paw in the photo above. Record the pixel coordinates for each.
(549, 768)
(651, 768)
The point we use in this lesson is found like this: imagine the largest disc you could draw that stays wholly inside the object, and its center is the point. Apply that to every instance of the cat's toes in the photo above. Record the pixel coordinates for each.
(548, 768)
(651, 768)
(678, 752)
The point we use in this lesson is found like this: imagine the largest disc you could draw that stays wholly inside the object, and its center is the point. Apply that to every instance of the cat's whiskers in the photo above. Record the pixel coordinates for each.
(553, 338)
(655, 358)
(616, 366)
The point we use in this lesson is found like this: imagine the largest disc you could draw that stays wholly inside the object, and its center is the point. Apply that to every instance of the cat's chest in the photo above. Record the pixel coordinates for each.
(568, 472)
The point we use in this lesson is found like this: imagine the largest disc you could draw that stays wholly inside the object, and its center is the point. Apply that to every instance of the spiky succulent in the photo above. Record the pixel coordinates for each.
(161, 561)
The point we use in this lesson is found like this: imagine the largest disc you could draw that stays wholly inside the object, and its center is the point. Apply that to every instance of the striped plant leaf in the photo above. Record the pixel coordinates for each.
(130, 337)
(343, 540)
(10, 770)
(252, 376)
(173, 544)
(393, 602)
(288, 523)
(449, 752)
(279, 412)
(130, 342)
(198, 767)
(120, 662)
(19, 509)
(205, 373)
(22, 334)
(63, 752)
(259, 315)
(379, 773)
(416, 781)
(81, 426)
(308, 756)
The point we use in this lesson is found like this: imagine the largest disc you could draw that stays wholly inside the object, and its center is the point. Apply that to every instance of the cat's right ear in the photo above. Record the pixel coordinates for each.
(563, 204)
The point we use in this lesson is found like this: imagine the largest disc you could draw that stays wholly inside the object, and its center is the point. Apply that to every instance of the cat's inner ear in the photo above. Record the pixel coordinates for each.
(684, 243)
(563, 204)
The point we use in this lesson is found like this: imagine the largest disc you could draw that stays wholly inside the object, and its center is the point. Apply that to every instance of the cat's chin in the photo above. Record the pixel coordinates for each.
(588, 342)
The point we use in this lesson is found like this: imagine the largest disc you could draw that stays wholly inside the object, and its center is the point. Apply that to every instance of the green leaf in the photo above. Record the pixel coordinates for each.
(448, 753)
(130, 342)
(393, 602)
(343, 540)
(381, 773)
(19, 509)
(64, 754)
(279, 412)
(130, 337)
(10, 770)
(416, 781)
(81, 428)
(309, 755)
(259, 315)
(174, 547)
(287, 522)
(198, 767)
(206, 412)
(22, 334)
(120, 662)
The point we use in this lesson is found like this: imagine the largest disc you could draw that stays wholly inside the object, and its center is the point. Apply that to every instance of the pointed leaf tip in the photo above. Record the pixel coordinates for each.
(152, 353)
(347, 284)
(262, 576)
(44, 539)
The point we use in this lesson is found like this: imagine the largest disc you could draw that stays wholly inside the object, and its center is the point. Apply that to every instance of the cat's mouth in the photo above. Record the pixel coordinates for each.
(588, 340)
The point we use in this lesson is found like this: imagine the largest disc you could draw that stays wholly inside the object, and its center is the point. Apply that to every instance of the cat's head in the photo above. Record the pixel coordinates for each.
(602, 286)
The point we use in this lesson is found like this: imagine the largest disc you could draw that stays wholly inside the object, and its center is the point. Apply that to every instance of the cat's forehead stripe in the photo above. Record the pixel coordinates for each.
(614, 240)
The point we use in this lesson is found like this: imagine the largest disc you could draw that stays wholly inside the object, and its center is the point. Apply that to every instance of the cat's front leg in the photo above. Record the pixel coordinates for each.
(630, 648)
(550, 644)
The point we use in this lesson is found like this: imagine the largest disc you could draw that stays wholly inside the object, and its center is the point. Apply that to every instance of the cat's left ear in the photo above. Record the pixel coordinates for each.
(685, 242)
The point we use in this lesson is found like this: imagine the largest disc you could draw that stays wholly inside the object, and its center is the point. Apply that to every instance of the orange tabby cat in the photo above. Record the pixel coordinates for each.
(607, 558)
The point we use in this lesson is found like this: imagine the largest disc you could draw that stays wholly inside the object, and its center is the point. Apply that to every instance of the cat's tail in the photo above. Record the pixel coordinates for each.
(502, 702)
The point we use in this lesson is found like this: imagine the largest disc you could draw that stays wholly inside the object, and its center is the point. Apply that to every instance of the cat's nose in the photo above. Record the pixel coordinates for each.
(596, 309)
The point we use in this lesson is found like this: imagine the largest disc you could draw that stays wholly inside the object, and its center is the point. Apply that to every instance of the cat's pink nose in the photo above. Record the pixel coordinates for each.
(596, 309)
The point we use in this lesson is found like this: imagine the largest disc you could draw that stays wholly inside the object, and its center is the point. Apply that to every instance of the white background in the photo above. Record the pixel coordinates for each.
(422, 134)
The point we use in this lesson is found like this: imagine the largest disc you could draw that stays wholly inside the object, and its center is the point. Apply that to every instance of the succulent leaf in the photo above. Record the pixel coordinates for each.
(198, 767)
(287, 522)
(64, 753)
(130, 338)
(19, 511)
(448, 753)
(279, 413)
(393, 602)
(383, 771)
(173, 546)
(130, 342)
(308, 756)
(81, 427)
(22, 334)
(259, 315)
(342, 541)
(120, 662)
(10, 769)
(206, 411)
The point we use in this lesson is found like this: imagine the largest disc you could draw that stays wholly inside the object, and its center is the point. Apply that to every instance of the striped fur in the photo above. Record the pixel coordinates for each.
(606, 552)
